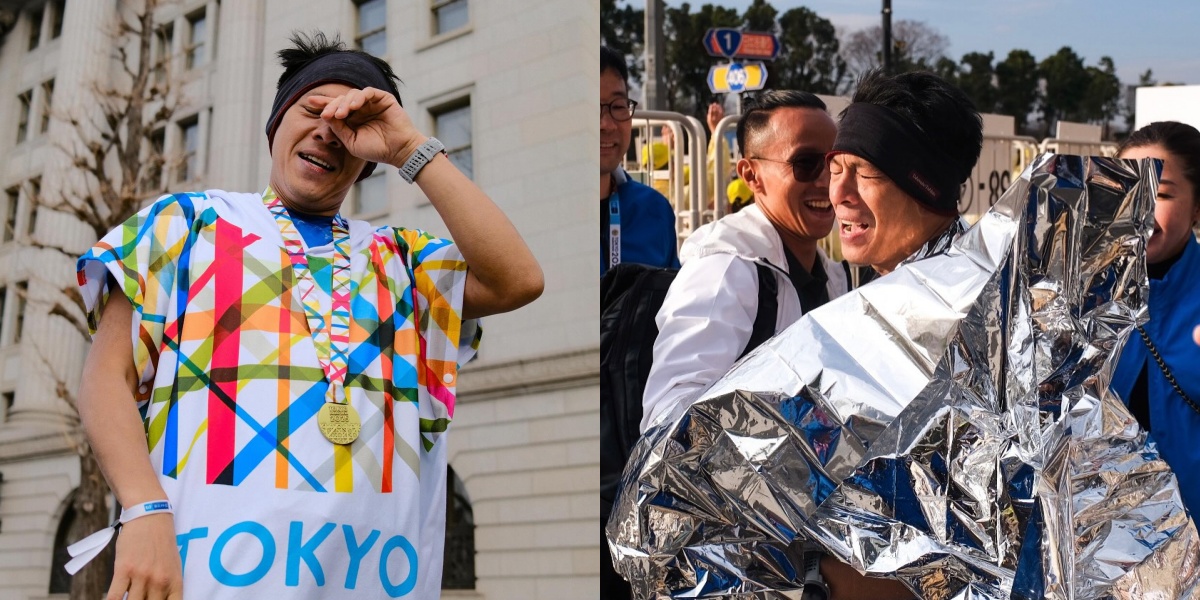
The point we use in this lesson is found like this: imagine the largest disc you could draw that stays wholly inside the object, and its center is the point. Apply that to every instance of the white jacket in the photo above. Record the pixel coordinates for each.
(708, 315)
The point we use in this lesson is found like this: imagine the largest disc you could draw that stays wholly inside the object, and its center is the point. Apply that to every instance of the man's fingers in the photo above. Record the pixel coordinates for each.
(137, 589)
(120, 584)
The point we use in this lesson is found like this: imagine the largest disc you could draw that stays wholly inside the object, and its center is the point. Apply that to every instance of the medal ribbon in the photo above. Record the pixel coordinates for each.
(330, 333)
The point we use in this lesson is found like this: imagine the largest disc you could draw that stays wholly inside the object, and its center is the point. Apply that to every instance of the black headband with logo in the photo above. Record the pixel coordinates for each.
(349, 68)
(904, 153)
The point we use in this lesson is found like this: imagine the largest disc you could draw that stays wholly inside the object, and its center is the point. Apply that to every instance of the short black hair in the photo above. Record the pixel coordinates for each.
(756, 111)
(611, 59)
(1179, 139)
(940, 110)
(311, 46)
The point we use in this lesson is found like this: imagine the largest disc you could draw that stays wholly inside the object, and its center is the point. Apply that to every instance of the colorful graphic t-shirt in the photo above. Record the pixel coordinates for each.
(231, 383)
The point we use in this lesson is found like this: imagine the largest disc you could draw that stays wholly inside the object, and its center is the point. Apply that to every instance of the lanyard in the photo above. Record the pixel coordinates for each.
(614, 231)
(330, 332)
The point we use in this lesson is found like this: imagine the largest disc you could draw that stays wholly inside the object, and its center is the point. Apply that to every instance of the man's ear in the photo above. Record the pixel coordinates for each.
(746, 170)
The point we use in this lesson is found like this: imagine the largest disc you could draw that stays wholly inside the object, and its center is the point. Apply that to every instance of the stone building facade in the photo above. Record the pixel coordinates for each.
(508, 86)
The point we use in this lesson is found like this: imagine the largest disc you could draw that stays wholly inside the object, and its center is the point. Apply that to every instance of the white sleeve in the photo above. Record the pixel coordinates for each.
(703, 327)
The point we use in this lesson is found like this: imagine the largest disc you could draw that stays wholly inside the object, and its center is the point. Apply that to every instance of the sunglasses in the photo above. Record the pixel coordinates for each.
(806, 166)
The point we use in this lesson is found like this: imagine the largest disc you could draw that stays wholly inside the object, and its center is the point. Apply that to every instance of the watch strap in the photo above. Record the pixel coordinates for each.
(814, 585)
(425, 153)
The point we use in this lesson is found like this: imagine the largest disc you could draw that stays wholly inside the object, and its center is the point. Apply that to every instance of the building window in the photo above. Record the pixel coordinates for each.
(371, 195)
(59, 7)
(3, 305)
(453, 127)
(35, 28)
(372, 21)
(33, 199)
(9, 398)
(25, 102)
(458, 560)
(47, 102)
(22, 292)
(156, 156)
(60, 580)
(163, 38)
(449, 15)
(197, 26)
(189, 133)
(9, 232)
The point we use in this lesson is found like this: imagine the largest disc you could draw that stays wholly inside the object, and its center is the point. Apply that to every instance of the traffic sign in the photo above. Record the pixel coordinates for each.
(737, 77)
(733, 43)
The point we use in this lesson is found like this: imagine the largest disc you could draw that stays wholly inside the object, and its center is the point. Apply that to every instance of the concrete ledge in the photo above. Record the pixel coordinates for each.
(570, 370)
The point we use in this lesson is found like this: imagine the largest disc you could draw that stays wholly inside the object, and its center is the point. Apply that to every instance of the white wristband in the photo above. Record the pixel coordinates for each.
(85, 550)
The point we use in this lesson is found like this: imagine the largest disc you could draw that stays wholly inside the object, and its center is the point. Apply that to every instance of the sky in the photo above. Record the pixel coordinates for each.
(1162, 35)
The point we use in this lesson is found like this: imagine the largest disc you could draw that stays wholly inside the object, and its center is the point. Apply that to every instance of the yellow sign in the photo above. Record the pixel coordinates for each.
(737, 77)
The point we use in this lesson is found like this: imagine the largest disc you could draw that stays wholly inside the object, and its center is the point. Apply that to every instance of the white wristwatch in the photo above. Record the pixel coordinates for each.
(425, 153)
(814, 584)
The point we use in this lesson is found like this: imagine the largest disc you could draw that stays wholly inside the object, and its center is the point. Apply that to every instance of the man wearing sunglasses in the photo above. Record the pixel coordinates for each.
(637, 224)
(708, 317)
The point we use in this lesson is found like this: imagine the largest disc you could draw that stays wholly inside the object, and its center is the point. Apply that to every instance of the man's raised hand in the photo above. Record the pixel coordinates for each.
(371, 124)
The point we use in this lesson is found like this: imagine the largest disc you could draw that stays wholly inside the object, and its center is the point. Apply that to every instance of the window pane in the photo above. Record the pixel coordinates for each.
(372, 194)
(3, 301)
(10, 217)
(191, 140)
(59, 8)
(47, 99)
(451, 16)
(22, 292)
(375, 44)
(372, 15)
(463, 160)
(35, 29)
(196, 38)
(26, 100)
(454, 127)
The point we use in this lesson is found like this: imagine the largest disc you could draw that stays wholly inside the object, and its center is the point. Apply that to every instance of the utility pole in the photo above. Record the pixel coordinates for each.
(655, 76)
(887, 37)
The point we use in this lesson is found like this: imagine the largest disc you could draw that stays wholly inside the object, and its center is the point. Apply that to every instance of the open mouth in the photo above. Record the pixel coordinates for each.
(316, 161)
(853, 228)
(819, 206)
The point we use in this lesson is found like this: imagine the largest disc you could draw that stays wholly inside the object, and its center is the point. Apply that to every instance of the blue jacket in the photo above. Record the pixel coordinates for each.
(1175, 426)
(647, 225)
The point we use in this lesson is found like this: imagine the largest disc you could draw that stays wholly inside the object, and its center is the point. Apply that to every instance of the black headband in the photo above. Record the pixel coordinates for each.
(903, 152)
(349, 68)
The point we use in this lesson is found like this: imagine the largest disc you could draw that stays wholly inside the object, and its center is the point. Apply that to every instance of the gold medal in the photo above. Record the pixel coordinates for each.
(339, 422)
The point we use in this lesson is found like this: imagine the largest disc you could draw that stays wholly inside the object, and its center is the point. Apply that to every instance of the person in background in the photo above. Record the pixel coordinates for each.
(637, 224)
(1157, 375)
(708, 316)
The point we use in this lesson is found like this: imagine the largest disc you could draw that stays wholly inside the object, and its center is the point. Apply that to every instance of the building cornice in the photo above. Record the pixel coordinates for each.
(579, 368)
(35, 442)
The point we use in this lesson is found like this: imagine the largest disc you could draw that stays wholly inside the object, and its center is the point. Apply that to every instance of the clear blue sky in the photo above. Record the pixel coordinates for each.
(1163, 35)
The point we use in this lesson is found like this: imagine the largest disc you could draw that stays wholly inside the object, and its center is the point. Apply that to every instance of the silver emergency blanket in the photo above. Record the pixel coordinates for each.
(949, 425)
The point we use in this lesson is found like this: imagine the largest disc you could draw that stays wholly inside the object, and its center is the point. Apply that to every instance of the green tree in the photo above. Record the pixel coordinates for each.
(759, 16)
(976, 80)
(947, 69)
(1066, 82)
(809, 60)
(686, 61)
(1017, 90)
(1102, 102)
(621, 28)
